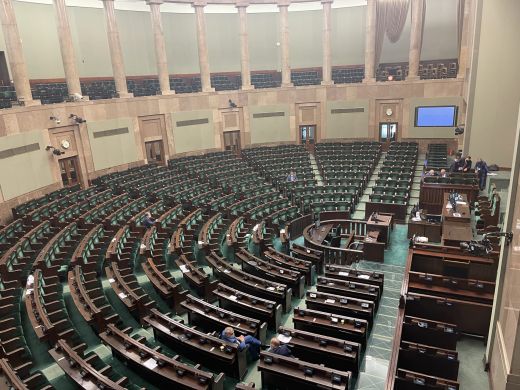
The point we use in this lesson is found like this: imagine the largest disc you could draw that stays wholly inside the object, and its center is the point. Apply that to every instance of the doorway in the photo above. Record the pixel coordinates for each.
(308, 136)
(232, 141)
(387, 134)
(69, 170)
(154, 152)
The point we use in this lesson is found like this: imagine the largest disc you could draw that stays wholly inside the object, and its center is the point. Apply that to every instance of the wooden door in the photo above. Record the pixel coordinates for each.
(154, 152)
(69, 170)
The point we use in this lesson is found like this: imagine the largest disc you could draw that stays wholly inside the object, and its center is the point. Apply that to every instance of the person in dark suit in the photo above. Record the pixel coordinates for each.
(457, 164)
(279, 348)
(148, 221)
(481, 170)
(228, 334)
(467, 164)
(443, 173)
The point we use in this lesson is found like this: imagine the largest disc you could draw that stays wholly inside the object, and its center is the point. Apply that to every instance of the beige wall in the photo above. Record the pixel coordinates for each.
(263, 52)
(25, 172)
(270, 129)
(305, 39)
(90, 44)
(113, 150)
(195, 136)
(347, 125)
(430, 132)
(347, 43)
(494, 86)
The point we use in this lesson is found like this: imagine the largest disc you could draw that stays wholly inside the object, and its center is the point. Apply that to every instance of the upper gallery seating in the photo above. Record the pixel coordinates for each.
(439, 69)
(347, 75)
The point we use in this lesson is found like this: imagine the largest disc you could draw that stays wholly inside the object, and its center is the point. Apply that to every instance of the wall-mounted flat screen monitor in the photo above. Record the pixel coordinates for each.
(436, 116)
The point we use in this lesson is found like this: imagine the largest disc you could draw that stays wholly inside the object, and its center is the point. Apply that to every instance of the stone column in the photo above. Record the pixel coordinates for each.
(205, 75)
(284, 42)
(465, 40)
(327, 56)
(13, 45)
(160, 47)
(370, 45)
(67, 49)
(116, 54)
(244, 46)
(416, 36)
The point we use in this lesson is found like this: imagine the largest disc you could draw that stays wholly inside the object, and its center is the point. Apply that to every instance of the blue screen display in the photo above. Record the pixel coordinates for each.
(438, 116)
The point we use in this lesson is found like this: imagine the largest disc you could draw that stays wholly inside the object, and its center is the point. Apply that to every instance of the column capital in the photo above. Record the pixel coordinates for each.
(199, 3)
(242, 4)
(327, 1)
(154, 2)
(107, 1)
(283, 3)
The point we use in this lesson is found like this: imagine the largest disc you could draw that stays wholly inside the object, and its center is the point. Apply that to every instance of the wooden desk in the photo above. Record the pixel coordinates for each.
(318, 235)
(425, 229)
(453, 233)
(382, 224)
(462, 210)
(288, 373)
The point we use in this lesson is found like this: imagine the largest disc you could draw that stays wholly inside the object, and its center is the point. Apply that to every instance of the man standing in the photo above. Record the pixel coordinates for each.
(228, 334)
(482, 170)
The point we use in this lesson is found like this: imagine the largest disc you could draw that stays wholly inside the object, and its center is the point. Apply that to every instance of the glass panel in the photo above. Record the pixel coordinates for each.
(304, 133)
(393, 131)
(311, 132)
(148, 147)
(383, 131)
(72, 172)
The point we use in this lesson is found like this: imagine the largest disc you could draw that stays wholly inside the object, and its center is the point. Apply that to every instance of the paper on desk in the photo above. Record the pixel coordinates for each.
(151, 364)
(363, 276)
(449, 206)
(284, 339)
(233, 297)
(330, 301)
(343, 273)
(270, 288)
(457, 215)
(461, 202)
(122, 295)
(111, 280)
(415, 219)
(184, 269)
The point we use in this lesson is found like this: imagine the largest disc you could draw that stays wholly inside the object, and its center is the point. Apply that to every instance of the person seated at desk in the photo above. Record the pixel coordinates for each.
(431, 172)
(228, 334)
(278, 348)
(148, 222)
(292, 176)
(443, 173)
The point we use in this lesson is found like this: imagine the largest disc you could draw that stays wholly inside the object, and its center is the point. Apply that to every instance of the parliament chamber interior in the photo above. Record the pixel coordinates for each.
(259, 194)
